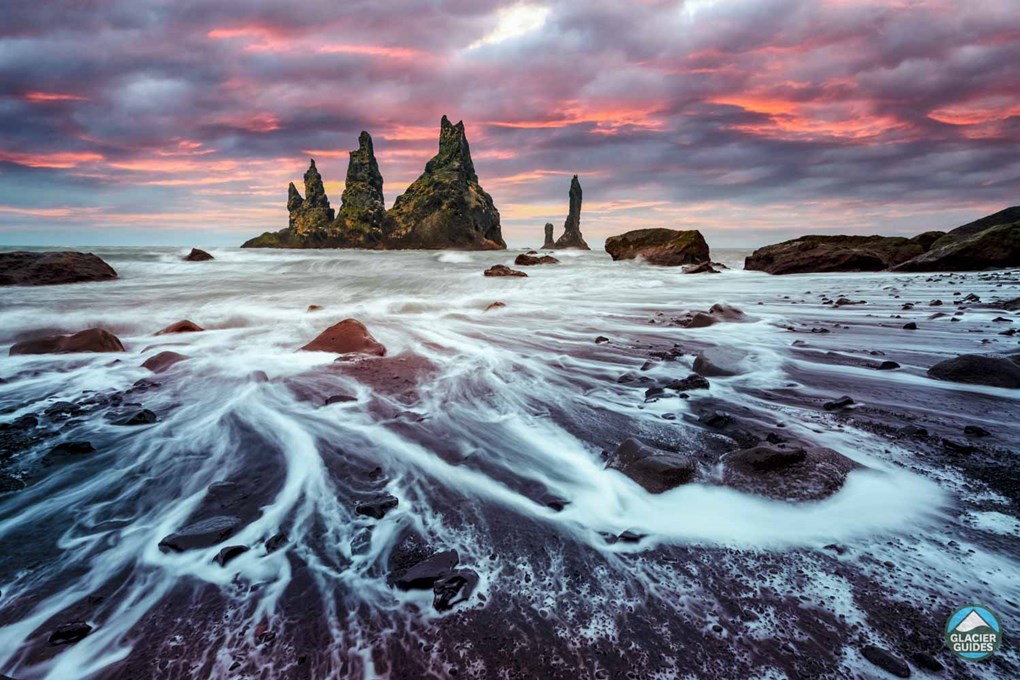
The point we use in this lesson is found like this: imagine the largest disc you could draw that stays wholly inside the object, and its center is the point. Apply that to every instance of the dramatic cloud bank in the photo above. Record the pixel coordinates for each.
(160, 121)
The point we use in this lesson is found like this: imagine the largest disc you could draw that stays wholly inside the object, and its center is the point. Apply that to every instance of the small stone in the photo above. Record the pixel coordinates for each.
(837, 404)
(975, 431)
(226, 555)
(888, 366)
(910, 326)
(70, 633)
(886, 661)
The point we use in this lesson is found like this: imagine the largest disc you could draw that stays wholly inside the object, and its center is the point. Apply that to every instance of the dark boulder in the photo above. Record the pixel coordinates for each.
(453, 588)
(703, 268)
(202, 534)
(809, 254)
(197, 255)
(91, 340)
(227, 554)
(183, 326)
(425, 573)
(787, 472)
(886, 661)
(837, 404)
(524, 260)
(691, 382)
(378, 507)
(502, 270)
(162, 361)
(654, 469)
(24, 268)
(347, 337)
(142, 417)
(665, 247)
(978, 369)
(70, 633)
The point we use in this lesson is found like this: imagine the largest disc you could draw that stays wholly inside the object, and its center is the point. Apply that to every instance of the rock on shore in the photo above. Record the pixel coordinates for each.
(91, 340)
(24, 268)
(666, 247)
(347, 337)
(992, 242)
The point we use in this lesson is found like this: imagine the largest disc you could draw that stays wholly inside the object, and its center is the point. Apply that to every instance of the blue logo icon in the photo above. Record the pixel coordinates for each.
(973, 632)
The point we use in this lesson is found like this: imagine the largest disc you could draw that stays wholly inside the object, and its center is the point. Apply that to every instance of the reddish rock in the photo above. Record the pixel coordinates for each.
(502, 270)
(183, 326)
(91, 340)
(665, 247)
(23, 268)
(314, 308)
(347, 337)
(496, 305)
(525, 260)
(163, 361)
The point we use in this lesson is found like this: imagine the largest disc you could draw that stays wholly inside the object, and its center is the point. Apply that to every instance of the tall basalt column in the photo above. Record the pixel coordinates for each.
(571, 237)
(549, 241)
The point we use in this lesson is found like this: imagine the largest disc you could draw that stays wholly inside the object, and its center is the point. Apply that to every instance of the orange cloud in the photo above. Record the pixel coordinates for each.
(60, 159)
(606, 120)
(43, 97)
(373, 51)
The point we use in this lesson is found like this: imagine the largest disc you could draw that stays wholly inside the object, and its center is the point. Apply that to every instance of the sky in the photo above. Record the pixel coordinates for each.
(177, 122)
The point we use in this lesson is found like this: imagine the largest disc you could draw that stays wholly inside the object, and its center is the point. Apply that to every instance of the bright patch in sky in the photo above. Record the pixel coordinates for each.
(513, 23)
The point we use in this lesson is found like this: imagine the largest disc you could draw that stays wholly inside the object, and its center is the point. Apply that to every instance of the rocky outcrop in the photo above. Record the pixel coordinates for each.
(347, 337)
(91, 340)
(654, 469)
(666, 247)
(978, 369)
(993, 242)
(446, 207)
(183, 326)
(549, 241)
(23, 268)
(834, 254)
(199, 255)
(571, 237)
(162, 361)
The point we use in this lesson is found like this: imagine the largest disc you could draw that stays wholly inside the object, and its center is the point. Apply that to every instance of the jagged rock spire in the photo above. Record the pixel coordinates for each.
(571, 237)
(362, 205)
(549, 242)
(312, 212)
(446, 207)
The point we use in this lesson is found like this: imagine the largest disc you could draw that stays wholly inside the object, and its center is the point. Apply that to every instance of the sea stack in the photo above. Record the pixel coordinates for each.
(571, 237)
(362, 207)
(313, 212)
(549, 241)
(446, 207)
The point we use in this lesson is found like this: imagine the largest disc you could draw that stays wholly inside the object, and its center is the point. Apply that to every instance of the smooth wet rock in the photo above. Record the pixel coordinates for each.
(227, 554)
(424, 574)
(378, 507)
(452, 589)
(720, 362)
(524, 260)
(25, 268)
(91, 340)
(314, 308)
(275, 542)
(886, 661)
(339, 399)
(601, 339)
(664, 247)
(787, 472)
(347, 337)
(142, 417)
(655, 470)
(70, 633)
(502, 270)
(910, 326)
(691, 382)
(978, 369)
(183, 326)
(976, 431)
(162, 361)
(495, 305)
(888, 366)
(202, 534)
(198, 255)
(837, 404)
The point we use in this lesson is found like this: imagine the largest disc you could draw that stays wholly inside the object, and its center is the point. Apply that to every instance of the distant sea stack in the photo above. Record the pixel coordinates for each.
(445, 207)
(549, 241)
(571, 237)
(992, 242)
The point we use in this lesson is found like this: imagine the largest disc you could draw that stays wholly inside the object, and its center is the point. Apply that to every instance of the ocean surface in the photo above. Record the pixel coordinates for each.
(474, 421)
